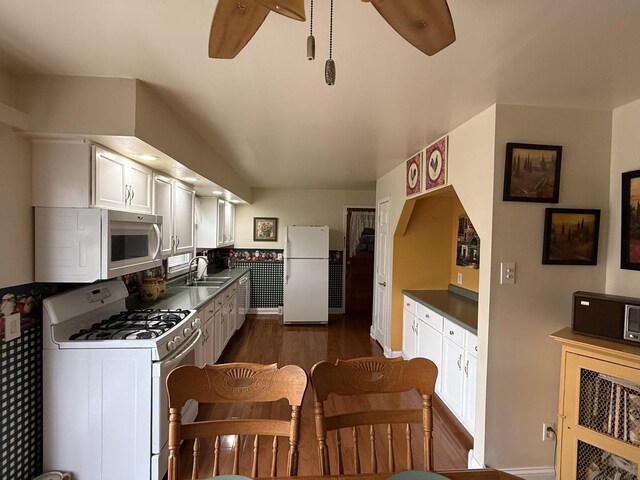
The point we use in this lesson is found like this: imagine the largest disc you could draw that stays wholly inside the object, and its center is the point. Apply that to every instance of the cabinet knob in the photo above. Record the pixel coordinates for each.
(450, 332)
(426, 315)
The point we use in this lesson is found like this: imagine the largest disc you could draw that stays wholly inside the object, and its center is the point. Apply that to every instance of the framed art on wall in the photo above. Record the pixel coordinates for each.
(435, 160)
(532, 173)
(413, 174)
(265, 229)
(630, 228)
(571, 236)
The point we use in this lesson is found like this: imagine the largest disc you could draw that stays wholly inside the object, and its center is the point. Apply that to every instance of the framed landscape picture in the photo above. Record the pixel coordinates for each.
(265, 229)
(532, 173)
(630, 247)
(571, 236)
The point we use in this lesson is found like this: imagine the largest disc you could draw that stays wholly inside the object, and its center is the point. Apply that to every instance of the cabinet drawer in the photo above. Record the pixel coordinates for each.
(429, 316)
(218, 301)
(471, 344)
(454, 332)
(209, 311)
(409, 305)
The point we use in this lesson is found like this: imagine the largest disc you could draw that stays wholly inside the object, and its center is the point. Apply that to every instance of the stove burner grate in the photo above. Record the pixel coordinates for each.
(133, 325)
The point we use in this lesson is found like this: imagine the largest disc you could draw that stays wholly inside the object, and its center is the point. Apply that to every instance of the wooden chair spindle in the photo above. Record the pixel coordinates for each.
(339, 452)
(196, 456)
(254, 463)
(216, 457)
(409, 451)
(356, 451)
(392, 459)
(236, 455)
(372, 440)
(274, 457)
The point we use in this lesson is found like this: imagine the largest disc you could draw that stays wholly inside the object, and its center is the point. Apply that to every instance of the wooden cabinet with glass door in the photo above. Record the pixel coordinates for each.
(599, 410)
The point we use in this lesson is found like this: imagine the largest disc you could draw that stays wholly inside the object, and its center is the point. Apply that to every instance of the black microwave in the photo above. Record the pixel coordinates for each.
(606, 316)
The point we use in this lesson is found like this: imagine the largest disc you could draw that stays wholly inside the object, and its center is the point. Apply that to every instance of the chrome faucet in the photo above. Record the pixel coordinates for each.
(193, 277)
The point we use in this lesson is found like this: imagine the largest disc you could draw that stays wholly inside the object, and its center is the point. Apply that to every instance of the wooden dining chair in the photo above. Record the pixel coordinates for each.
(244, 383)
(359, 378)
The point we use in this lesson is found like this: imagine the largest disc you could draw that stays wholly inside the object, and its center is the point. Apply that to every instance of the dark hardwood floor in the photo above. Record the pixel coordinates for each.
(264, 339)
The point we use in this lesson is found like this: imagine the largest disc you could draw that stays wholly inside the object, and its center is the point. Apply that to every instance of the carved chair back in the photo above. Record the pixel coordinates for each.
(245, 383)
(357, 380)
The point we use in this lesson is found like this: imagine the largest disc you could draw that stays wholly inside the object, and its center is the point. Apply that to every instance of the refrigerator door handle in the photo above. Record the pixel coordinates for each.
(286, 254)
(286, 275)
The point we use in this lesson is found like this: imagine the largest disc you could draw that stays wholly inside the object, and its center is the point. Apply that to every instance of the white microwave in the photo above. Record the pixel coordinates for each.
(83, 245)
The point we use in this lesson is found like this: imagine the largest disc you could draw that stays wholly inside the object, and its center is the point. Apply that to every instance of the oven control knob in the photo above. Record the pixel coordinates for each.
(177, 339)
(171, 345)
(187, 331)
(196, 323)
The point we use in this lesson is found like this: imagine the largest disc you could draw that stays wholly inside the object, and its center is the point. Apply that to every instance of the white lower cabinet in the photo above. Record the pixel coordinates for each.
(207, 341)
(430, 346)
(452, 358)
(225, 307)
(454, 351)
(409, 334)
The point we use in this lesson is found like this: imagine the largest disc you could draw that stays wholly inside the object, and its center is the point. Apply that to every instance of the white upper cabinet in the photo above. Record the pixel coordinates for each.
(185, 200)
(217, 226)
(120, 183)
(73, 173)
(175, 201)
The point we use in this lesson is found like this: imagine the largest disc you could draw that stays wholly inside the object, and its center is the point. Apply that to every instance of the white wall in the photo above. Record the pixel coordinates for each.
(625, 157)
(16, 217)
(523, 362)
(298, 207)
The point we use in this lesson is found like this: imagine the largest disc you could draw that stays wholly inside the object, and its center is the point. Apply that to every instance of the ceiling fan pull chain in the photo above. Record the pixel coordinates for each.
(311, 41)
(330, 66)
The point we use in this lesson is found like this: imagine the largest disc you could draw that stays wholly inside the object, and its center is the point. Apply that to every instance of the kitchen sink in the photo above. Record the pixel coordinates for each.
(209, 282)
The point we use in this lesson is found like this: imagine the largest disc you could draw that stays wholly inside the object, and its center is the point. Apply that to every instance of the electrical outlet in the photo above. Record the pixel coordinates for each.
(459, 280)
(548, 431)
(11, 327)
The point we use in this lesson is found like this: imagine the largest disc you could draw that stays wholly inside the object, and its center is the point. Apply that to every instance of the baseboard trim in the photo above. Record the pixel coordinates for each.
(264, 311)
(532, 473)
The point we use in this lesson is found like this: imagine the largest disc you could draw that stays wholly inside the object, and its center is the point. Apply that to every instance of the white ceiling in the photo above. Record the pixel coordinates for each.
(269, 112)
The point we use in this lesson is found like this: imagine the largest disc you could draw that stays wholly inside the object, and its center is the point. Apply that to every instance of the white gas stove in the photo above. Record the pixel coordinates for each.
(105, 367)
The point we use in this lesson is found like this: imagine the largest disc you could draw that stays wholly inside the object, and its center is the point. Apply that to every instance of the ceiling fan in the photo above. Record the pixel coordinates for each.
(425, 24)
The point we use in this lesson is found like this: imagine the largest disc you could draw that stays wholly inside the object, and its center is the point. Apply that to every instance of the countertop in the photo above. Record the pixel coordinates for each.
(457, 308)
(188, 298)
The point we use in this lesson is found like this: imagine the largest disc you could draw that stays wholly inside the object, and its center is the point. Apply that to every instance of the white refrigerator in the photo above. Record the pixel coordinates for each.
(306, 274)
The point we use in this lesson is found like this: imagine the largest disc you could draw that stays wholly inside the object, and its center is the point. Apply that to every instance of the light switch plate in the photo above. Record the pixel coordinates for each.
(507, 273)
(459, 279)
(11, 327)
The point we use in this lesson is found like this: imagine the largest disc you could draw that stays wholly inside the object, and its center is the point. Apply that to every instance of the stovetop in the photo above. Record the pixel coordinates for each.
(133, 325)
(96, 317)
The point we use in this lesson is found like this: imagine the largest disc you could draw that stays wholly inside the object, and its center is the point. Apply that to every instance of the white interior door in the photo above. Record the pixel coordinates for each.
(381, 313)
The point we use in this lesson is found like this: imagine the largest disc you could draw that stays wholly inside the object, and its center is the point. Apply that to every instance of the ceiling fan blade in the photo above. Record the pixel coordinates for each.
(425, 24)
(289, 8)
(234, 24)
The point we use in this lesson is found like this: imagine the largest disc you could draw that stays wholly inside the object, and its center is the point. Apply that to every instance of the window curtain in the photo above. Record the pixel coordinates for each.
(358, 222)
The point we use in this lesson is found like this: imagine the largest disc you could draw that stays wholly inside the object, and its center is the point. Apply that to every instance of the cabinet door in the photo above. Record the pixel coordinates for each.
(469, 393)
(218, 333)
(430, 346)
(206, 230)
(208, 343)
(408, 335)
(599, 426)
(163, 205)
(184, 198)
(110, 177)
(452, 358)
(221, 239)
(140, 187)
(229, 222)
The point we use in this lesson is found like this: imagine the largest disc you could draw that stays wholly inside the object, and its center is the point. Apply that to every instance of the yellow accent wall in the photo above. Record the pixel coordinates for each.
(424, 251)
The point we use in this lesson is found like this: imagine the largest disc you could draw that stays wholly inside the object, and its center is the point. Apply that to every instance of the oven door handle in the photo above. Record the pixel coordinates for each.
(174, 360)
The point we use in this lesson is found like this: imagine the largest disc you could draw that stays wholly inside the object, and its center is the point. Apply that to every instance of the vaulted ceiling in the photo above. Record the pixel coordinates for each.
(269, 112)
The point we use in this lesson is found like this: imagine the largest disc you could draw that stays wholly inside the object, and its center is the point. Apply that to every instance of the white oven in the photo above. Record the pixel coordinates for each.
(186, 355)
